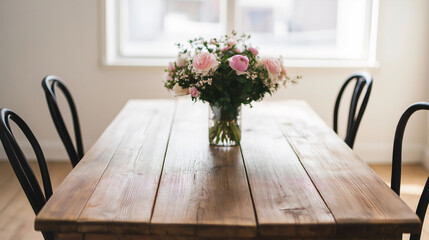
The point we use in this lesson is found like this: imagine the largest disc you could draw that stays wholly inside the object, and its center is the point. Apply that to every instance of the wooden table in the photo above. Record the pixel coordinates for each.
(152, 175)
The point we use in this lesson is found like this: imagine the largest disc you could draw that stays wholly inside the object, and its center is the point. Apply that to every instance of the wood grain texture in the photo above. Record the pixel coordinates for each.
(124, 198)
(22, 226)
(305, 181)
(203, 190)
(286, 201)
(361, 202)
(141, 237)
(69, 236)
(66, 204)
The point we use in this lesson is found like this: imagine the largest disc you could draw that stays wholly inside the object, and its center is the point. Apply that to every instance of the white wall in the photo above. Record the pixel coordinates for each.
(63, 37)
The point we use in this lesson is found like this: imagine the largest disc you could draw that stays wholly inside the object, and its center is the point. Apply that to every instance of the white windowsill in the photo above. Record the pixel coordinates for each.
(292, 63)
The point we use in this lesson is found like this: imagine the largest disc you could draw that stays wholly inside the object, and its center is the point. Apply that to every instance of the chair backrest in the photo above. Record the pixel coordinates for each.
(362, 79)
(75, 152)
(19, 163)
(397, 162)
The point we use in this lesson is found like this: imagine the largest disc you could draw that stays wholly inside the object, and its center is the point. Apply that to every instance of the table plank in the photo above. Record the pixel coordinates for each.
(66, 204)
(359, 200)
(123, 200)
(203, 190)
(286, 201)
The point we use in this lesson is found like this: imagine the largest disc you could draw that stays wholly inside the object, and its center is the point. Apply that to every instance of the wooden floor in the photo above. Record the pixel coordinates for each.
(17, 217)
(16, 214)
(413, 179)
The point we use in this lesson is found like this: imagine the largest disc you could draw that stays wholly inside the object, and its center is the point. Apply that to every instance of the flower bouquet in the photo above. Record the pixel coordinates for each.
(226, 72)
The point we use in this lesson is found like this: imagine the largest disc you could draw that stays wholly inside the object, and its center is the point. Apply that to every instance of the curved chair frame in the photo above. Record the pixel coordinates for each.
(362, 79)
(49, 83)
(397, 162)
(19, 163)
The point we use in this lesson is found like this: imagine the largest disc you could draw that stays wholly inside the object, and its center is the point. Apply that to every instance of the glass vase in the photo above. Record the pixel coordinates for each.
(224, 126)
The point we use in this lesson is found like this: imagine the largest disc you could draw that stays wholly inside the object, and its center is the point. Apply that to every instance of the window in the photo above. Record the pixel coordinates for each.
(305, 32)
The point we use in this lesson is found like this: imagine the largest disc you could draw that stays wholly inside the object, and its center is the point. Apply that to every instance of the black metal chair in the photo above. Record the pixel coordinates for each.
(362, 79)
(20, 166)
(49, 83)
(397, 162)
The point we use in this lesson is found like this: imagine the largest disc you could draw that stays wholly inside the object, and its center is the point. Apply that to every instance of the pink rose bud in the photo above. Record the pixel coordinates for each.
(273, 66)
(194, 92)
(203, 62)
(213, 41)
(231, 42)
(237, 50)
(239, 63)
(171, 67)
(224, 49)
(254, 51)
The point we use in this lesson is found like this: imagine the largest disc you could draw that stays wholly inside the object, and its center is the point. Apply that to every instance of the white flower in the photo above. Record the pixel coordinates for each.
(179, 91)
(182, 59)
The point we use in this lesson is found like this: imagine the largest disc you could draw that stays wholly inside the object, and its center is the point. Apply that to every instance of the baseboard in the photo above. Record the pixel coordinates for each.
(53, 151)
(379, 153)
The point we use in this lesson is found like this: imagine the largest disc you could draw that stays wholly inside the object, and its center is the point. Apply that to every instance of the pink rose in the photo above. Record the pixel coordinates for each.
(254, 51)
(171, 67)
(194, 92)
(273, 66)
(204, 62)
(239, 63)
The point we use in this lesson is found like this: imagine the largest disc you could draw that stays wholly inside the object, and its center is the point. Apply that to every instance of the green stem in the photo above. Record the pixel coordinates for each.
(235, 132)
(218, 132)
(227, 76)
(224, 131)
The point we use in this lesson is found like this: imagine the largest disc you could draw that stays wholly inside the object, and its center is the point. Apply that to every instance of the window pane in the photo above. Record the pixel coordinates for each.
(293, 26)
(153, 27)
(295, 29)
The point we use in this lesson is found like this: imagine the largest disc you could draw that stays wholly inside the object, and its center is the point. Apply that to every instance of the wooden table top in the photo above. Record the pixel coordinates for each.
(153, 175)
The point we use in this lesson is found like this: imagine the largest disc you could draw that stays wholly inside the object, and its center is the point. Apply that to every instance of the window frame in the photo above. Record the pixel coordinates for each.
(112, 57)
